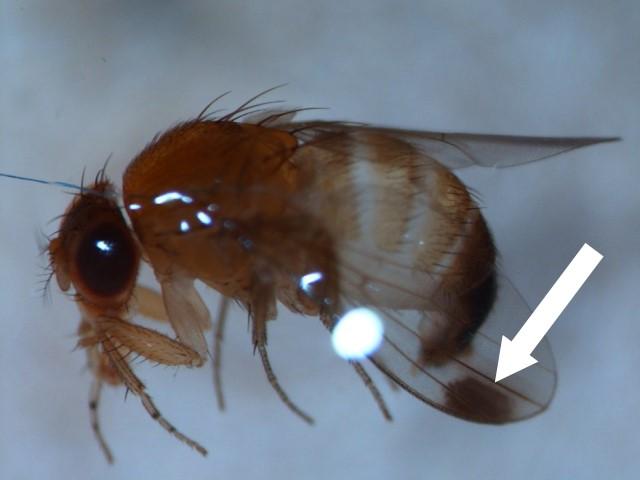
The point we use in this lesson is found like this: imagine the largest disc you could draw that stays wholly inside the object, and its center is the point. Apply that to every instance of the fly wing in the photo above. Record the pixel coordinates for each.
(463, 383)
(460, 382)
(457, 150)
(402, 228)
(400, 293)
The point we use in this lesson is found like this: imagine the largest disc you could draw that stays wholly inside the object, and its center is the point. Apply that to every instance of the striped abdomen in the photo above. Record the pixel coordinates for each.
(406, 231)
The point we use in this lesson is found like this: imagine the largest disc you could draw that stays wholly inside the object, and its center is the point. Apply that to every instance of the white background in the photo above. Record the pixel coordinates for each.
(80, 82)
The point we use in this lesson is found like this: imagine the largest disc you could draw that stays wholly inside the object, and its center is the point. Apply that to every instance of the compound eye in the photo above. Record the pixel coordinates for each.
(106, 260)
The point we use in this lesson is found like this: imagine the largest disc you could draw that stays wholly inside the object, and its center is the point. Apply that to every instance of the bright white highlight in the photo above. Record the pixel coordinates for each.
(307, 280)
(104, 246)
(357, 334)
(171, 197)
(184, 226)
(204, 218)
(135, 206)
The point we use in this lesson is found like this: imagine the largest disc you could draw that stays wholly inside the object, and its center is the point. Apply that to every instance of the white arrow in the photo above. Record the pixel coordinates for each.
(515, 355)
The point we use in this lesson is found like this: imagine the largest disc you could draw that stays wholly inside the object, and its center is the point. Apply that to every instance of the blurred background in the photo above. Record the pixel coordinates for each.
(81, 81)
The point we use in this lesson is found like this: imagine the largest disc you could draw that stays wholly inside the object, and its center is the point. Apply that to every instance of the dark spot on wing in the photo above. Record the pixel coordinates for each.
(478, 401)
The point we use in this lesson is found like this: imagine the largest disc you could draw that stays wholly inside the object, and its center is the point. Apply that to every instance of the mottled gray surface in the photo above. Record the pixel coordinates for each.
(81, 82)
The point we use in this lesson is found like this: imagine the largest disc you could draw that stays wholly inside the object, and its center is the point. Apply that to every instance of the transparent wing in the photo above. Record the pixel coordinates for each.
(463, 383)
(456, 150)
(396, 213)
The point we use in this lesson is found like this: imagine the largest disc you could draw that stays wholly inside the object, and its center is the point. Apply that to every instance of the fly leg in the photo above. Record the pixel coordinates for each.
(377, 396)
(150, 304)
(94, 404)
(109, 342)
(147, 343)
(217, 350)
(103, 372)
(112, 348)
(276, 386)
(262, 308)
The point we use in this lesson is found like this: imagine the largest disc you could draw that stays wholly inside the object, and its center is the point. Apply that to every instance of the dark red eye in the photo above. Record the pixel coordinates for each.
(106, 259)
(95, 251)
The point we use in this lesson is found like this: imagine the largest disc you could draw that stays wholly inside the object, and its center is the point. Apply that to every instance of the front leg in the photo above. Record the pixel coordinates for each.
(109, 341)
(147, 343)
(112, 349)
